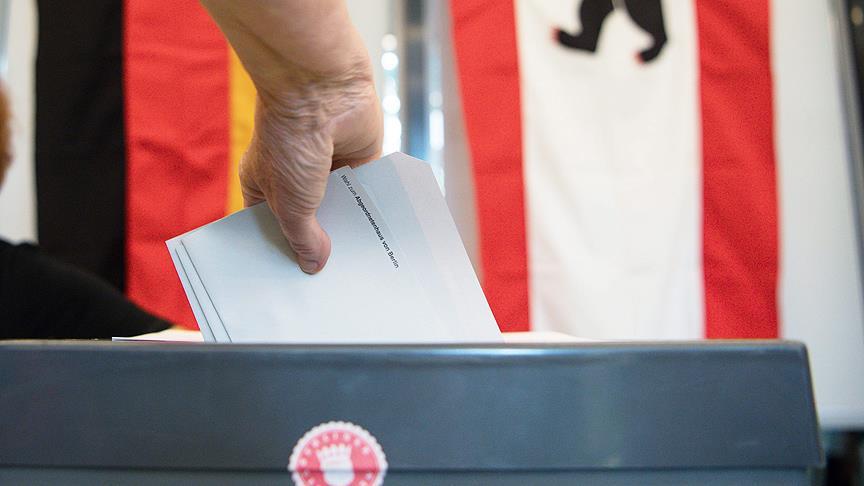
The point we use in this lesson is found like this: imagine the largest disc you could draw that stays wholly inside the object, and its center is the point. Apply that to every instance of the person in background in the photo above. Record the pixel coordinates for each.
(316, 110)
(41, 298)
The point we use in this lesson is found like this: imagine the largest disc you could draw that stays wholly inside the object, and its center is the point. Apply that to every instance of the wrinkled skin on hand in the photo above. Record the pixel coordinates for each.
(301, 134)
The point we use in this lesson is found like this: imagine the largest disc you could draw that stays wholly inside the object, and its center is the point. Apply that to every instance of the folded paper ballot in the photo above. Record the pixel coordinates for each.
(398, 272)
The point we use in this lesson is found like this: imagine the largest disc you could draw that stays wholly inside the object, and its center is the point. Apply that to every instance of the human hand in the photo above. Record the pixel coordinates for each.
(317, 109)
(303, 130)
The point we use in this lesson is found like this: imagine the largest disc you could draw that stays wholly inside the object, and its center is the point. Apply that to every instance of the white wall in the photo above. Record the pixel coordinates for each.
(458, 176)
(17, 196)
(821, 295)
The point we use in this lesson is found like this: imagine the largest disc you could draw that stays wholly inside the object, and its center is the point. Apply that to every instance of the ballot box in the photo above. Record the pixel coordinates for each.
(627, 413)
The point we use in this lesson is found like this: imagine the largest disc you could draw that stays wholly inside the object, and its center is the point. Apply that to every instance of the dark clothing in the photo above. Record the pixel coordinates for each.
(45, 299)
(80, 136)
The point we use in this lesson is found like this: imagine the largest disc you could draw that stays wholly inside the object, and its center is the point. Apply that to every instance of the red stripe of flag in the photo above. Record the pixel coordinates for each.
(740, 253)
(484, 34)
(176, 93)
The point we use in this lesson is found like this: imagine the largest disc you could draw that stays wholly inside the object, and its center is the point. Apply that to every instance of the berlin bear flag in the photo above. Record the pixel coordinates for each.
(624, 164)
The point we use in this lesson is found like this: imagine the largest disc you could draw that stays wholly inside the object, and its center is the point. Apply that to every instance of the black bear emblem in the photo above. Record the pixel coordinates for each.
(647, 14)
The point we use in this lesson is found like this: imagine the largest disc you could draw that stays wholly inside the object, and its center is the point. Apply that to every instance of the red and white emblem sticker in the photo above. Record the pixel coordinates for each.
(337, 454)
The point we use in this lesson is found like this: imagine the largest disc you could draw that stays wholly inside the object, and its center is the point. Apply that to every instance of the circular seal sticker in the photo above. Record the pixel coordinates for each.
(337, 454)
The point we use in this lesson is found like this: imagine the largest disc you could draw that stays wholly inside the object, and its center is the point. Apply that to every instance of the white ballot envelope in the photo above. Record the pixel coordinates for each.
(398, 272)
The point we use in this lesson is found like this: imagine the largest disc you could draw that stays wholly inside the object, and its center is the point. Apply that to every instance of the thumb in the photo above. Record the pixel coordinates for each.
(294, 189)
(294, 203)
(307, 238)
(290, 169)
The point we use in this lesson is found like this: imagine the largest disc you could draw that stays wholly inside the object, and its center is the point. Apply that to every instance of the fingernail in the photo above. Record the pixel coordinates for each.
(309, 266)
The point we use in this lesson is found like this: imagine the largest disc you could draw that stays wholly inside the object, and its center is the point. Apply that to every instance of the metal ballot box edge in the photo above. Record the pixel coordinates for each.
(589, 407)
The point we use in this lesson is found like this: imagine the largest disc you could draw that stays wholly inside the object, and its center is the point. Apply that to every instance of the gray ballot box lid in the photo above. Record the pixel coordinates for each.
(481, 408)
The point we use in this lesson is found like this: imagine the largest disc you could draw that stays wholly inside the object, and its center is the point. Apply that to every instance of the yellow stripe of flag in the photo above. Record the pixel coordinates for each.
(242, 113)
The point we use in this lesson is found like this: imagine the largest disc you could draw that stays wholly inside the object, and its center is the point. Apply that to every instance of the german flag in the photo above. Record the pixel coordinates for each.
(142, 114)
